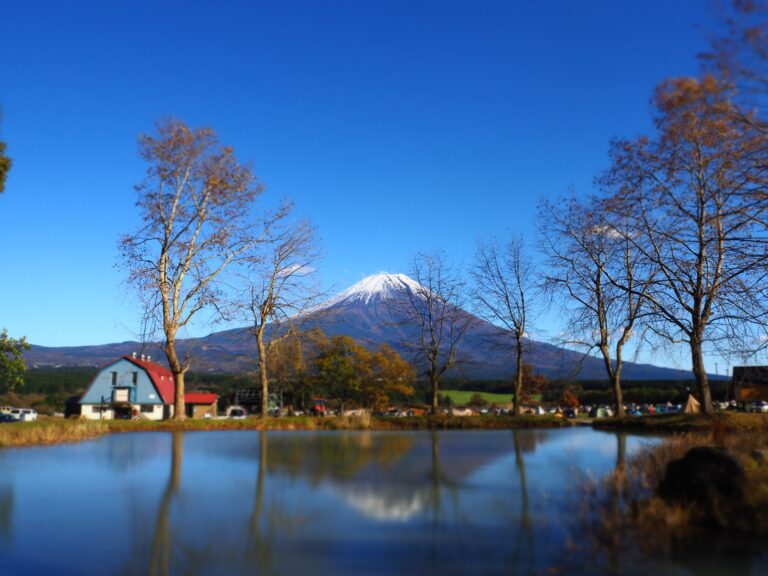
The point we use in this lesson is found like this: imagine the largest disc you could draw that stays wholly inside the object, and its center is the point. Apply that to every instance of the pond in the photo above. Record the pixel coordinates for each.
(454, 502)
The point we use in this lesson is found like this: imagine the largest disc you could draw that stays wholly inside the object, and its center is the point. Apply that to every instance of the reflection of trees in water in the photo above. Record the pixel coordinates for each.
(524, 546)
(160, 555)
(519, 545)
(402, 476)
(618, 493)
(438, 479)
(259, 546)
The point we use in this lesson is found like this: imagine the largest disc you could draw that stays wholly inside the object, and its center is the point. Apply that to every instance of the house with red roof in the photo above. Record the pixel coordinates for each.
(136, 387)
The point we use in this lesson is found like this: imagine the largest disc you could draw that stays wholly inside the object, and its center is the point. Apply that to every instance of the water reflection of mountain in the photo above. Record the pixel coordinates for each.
(389, 458)
(388, 476)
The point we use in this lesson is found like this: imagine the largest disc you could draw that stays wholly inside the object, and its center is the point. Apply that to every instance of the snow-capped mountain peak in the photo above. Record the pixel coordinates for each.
(381, 286)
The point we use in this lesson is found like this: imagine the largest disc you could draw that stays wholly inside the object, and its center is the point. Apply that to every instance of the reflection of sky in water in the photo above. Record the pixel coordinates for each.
(341, 503)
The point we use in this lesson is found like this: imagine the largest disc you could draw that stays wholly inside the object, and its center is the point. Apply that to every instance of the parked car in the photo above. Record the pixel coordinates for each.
(29, 414)
(6, 418)
(237, 413)
(24, 414)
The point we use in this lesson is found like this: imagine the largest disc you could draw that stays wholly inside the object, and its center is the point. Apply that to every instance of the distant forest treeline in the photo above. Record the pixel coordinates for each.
(60, 383)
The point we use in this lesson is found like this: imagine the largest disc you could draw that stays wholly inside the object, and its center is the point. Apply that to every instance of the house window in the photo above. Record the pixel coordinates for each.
(114, 378)
(148, 408)
(121, 395)
(134, 378)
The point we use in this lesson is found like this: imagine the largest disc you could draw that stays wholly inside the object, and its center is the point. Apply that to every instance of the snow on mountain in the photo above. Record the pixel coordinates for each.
(381, 286)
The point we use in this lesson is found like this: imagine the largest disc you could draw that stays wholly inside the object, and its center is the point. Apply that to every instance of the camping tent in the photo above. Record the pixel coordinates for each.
(692, 406)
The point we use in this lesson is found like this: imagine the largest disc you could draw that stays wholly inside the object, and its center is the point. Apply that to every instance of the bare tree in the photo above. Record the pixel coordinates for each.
(503, 287)
(435, 308)
(280, 285)
(593, 263)
(194, 202)
(697, 199)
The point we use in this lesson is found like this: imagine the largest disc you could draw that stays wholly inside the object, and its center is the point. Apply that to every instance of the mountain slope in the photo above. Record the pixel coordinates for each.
(373, 312)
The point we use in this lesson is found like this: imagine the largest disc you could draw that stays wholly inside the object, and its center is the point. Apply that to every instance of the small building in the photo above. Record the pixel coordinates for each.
(750, 383)
(201, 404)
(136, 387)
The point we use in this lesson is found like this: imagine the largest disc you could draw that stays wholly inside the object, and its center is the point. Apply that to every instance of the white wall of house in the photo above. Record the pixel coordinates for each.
(148, 411)
(94, 412)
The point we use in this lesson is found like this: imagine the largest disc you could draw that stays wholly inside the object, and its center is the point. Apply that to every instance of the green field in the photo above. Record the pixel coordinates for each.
(460, 397)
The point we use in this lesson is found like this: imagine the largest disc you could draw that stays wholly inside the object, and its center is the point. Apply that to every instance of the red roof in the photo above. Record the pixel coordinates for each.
(161, 377)
(200, 398)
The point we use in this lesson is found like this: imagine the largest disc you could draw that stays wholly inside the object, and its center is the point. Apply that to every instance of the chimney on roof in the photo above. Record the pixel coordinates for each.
(142, 357)
(133, 355)
(149, 358)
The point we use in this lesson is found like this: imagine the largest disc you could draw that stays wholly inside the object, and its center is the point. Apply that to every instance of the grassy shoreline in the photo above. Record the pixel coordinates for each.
(48, 431)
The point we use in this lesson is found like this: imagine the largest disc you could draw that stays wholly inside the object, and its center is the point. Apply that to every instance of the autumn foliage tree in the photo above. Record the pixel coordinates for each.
(739, 53)
(533, 382)
(194, 202)
(291, 362)
(339, 370)
(390, 375)
(569, 399)
(347, 371)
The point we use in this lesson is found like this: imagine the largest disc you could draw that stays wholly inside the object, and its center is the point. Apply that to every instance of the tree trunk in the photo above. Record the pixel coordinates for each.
(263, 380)
(618, 393)
(179, 407)
(614, 377)
(518, 376)
(434, 381)
(702, 382)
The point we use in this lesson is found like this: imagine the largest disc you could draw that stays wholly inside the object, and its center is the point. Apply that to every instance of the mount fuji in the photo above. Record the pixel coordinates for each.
(372, 312)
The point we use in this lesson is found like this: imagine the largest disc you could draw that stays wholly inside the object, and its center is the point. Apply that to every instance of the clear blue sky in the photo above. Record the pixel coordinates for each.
(396, 126)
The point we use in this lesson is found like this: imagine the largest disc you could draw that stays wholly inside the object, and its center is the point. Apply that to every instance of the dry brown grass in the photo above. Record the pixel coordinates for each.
(625, 518)
(49, 431)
